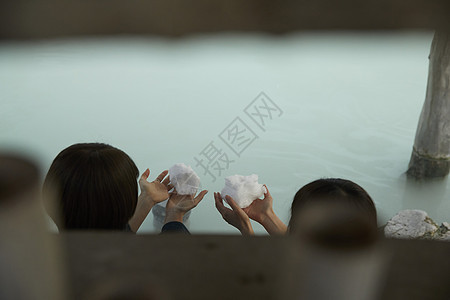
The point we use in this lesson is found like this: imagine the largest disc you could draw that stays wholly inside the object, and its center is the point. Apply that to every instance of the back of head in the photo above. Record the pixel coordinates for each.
(92, 186)
(334, 210)
(335, 242)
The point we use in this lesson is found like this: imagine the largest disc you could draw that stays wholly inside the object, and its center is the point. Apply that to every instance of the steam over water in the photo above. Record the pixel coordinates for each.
(350, 105)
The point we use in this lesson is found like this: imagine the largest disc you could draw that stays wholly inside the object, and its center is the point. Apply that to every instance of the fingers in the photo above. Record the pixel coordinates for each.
(200, 197)
(219, 204)
(173, 192)
(267, 190)
(233, 204)
(162, 175)
(226, 213)
(217, 200)
(145, 175)
(236, 207)
(166, 181)
(169, 184)
(267, 194)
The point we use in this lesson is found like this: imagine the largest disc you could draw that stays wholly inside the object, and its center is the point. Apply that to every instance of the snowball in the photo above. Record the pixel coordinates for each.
(184, 179)
(243, 189)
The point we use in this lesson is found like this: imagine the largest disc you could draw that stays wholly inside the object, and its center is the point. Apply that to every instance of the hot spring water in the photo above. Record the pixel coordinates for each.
(333, 105)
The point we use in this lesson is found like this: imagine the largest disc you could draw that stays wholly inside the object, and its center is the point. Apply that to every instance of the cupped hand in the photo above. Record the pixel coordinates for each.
(178, 205)
(157, 190)
(235, 216)
(184, 203)
(260, 209)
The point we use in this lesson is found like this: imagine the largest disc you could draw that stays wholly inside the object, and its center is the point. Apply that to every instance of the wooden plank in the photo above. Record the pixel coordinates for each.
(234, 267)
(191, 267)
(62, 18)
(418, 269)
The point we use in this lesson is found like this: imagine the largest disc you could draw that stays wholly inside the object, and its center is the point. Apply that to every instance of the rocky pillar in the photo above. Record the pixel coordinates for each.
(431, 153)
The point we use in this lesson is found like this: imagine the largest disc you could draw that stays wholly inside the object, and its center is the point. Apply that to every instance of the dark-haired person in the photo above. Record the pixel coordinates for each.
(324, 192)
(94, 186)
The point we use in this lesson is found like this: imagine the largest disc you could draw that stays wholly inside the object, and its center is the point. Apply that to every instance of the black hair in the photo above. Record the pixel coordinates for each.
(334, 190)
(93, 186)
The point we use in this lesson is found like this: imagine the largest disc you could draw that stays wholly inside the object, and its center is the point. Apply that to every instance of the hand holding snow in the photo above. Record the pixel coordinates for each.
(184, 179)
(243, 189)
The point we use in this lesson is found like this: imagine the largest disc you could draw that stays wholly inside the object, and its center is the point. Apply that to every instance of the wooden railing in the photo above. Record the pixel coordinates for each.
(235, 267)
(21, 19)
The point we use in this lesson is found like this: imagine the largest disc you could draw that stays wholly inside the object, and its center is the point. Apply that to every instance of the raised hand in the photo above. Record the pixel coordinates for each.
(262, 212)
(234, 216)
(157, 190)
(260, 209)
(151, 193)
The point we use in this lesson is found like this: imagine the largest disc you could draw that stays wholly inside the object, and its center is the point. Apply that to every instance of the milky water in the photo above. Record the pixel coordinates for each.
(348, 107)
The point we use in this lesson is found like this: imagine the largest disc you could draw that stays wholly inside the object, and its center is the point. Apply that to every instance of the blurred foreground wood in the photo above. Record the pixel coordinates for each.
(232, 267)
(30, 257)
(54, 18)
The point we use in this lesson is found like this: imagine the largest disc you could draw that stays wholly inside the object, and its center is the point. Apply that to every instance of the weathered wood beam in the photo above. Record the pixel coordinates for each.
(235, 267)
(30, 265)
(23, 19)
(431, 152)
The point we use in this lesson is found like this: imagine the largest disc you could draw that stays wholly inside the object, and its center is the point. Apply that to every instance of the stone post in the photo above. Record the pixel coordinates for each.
(431, 152)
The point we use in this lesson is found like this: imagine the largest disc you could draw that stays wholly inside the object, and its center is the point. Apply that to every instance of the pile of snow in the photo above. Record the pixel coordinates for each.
(184, 179)
(243, 189)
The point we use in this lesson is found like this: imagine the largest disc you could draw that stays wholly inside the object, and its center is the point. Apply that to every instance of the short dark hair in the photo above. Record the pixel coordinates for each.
(93, 186)
(334, 190)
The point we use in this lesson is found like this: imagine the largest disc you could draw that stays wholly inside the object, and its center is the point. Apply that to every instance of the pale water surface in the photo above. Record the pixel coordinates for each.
(350, 105)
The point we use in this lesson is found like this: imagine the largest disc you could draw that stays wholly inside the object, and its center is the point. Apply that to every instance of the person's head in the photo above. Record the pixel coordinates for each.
(333, 192)
(92, 186)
